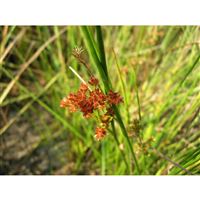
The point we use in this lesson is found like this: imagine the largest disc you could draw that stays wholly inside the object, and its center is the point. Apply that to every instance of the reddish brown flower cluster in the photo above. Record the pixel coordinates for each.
(100, 133)
(93, 81)
(114, 98)
(88, 101)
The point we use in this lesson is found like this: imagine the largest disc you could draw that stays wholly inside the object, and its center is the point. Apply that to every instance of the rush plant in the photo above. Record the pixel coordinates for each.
(91, 101)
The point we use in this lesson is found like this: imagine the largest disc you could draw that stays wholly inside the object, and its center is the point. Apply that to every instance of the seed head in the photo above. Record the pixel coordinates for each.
(98, 98)
(100, 133)
(93, 81)
(114, 98)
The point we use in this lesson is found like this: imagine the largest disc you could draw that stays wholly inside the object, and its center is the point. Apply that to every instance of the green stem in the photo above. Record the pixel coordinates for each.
(123, 129)
(137, 95)
(123, 87)
(93, 54)
(118, 143)
(101, 49)
(106, 82)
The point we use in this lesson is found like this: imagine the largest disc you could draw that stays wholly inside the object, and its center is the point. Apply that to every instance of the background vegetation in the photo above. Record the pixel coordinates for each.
(155, 69)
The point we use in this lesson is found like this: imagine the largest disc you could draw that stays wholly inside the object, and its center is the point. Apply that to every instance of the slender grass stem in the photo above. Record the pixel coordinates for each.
(123, 87)
(171, 161)
(103, 158)
(101, 49)
(94, 56)
(137, 95)
(123, 129)
(113, 132)
(79, 77)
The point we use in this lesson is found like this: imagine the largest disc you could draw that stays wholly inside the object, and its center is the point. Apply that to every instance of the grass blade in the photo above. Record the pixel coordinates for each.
(107, 85)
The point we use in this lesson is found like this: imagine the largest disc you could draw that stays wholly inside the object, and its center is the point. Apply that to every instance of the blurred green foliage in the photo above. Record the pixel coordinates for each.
(155, 68)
